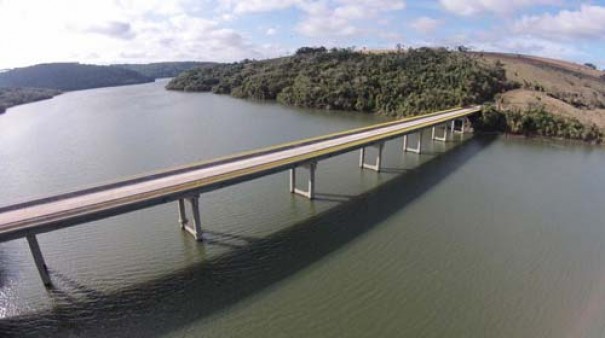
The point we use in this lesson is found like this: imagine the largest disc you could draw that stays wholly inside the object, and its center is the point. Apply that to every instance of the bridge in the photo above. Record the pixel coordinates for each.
(185, 184)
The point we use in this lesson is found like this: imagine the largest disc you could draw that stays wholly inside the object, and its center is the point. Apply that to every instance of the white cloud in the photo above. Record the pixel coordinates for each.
(271, 31)
(343, 17)
(256, 6)
(472, 7)
(113, 29)
(116, 31)
(425, 24)
(340, 18)
(587, 22)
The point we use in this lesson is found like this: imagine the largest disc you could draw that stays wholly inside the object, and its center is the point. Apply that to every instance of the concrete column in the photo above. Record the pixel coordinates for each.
(362, 156)
(310, 193)
(182, 214)
(292, 179)
(376, 165)
(38, 259)
(196, 230)
(462, 124)
(311, 184)
(416, 150)
(453, 127)
(440, 138)
(379, 156)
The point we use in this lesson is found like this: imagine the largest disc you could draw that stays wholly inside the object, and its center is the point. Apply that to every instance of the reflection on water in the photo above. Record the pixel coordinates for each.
(474, 238)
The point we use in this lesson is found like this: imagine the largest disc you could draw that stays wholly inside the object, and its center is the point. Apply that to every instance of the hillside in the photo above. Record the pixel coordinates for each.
(395, 84)
(14, 96)
(559, 87)
(70, 76)
(524, 95)
(163, 69)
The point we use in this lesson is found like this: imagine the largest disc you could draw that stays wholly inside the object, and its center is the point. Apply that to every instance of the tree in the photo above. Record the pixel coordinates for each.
(310, 50)
(590, 65)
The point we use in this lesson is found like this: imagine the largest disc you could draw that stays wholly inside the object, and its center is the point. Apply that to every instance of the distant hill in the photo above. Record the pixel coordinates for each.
(70, 76)
(163, 69)
(14, 96)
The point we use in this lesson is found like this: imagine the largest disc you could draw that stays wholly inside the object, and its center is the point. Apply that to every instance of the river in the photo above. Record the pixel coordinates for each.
(481, 237)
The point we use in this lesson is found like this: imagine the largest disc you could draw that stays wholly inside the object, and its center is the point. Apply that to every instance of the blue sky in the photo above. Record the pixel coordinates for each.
(109, 31)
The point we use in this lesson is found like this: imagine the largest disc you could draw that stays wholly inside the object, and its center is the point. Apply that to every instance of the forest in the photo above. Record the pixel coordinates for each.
(536, 122)
(395, 84)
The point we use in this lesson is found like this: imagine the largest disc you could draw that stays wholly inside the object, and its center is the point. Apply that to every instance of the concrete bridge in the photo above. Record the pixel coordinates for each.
(184, 185)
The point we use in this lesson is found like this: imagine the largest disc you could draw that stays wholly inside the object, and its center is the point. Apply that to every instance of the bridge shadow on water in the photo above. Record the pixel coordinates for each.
(170, 303)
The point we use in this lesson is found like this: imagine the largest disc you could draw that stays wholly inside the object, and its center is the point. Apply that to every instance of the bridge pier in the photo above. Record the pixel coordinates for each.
(462, 126)
(376, 165)
(182, 214)
(38, 259)
(439, 138)
(196, 228)
(310, 193)
(406, 146)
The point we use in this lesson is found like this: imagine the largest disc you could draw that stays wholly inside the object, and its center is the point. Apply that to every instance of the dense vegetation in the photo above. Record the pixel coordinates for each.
(163, 69)
(70, 76)
(536, 121)
(13, 96)
(396, 84)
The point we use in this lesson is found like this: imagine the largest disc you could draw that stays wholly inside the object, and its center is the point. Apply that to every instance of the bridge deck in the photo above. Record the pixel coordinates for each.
(103, 201)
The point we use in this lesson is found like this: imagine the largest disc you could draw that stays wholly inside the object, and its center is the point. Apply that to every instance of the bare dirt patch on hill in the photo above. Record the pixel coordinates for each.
(560, 87)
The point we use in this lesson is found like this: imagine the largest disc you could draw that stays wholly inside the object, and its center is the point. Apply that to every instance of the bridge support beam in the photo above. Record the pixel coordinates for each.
(310, 192)
(196, 228)
(406, 146)
(440, 138)
(38, 259)
(376, 165)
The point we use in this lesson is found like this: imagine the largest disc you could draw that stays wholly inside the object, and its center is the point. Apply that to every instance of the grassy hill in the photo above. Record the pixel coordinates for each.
(70, 76)
(558, 87)
(163, 69)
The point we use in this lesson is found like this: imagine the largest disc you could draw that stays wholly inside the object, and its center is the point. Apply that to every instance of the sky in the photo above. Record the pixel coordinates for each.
(134, 31)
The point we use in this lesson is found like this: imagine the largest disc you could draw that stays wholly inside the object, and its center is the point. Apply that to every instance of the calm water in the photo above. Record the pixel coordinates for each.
(494, 237)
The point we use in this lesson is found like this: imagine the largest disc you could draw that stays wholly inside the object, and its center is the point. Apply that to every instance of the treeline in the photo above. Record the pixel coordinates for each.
(163, 69)
(396, 84)
(70, 76)
(14, 96)
(536, 121)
